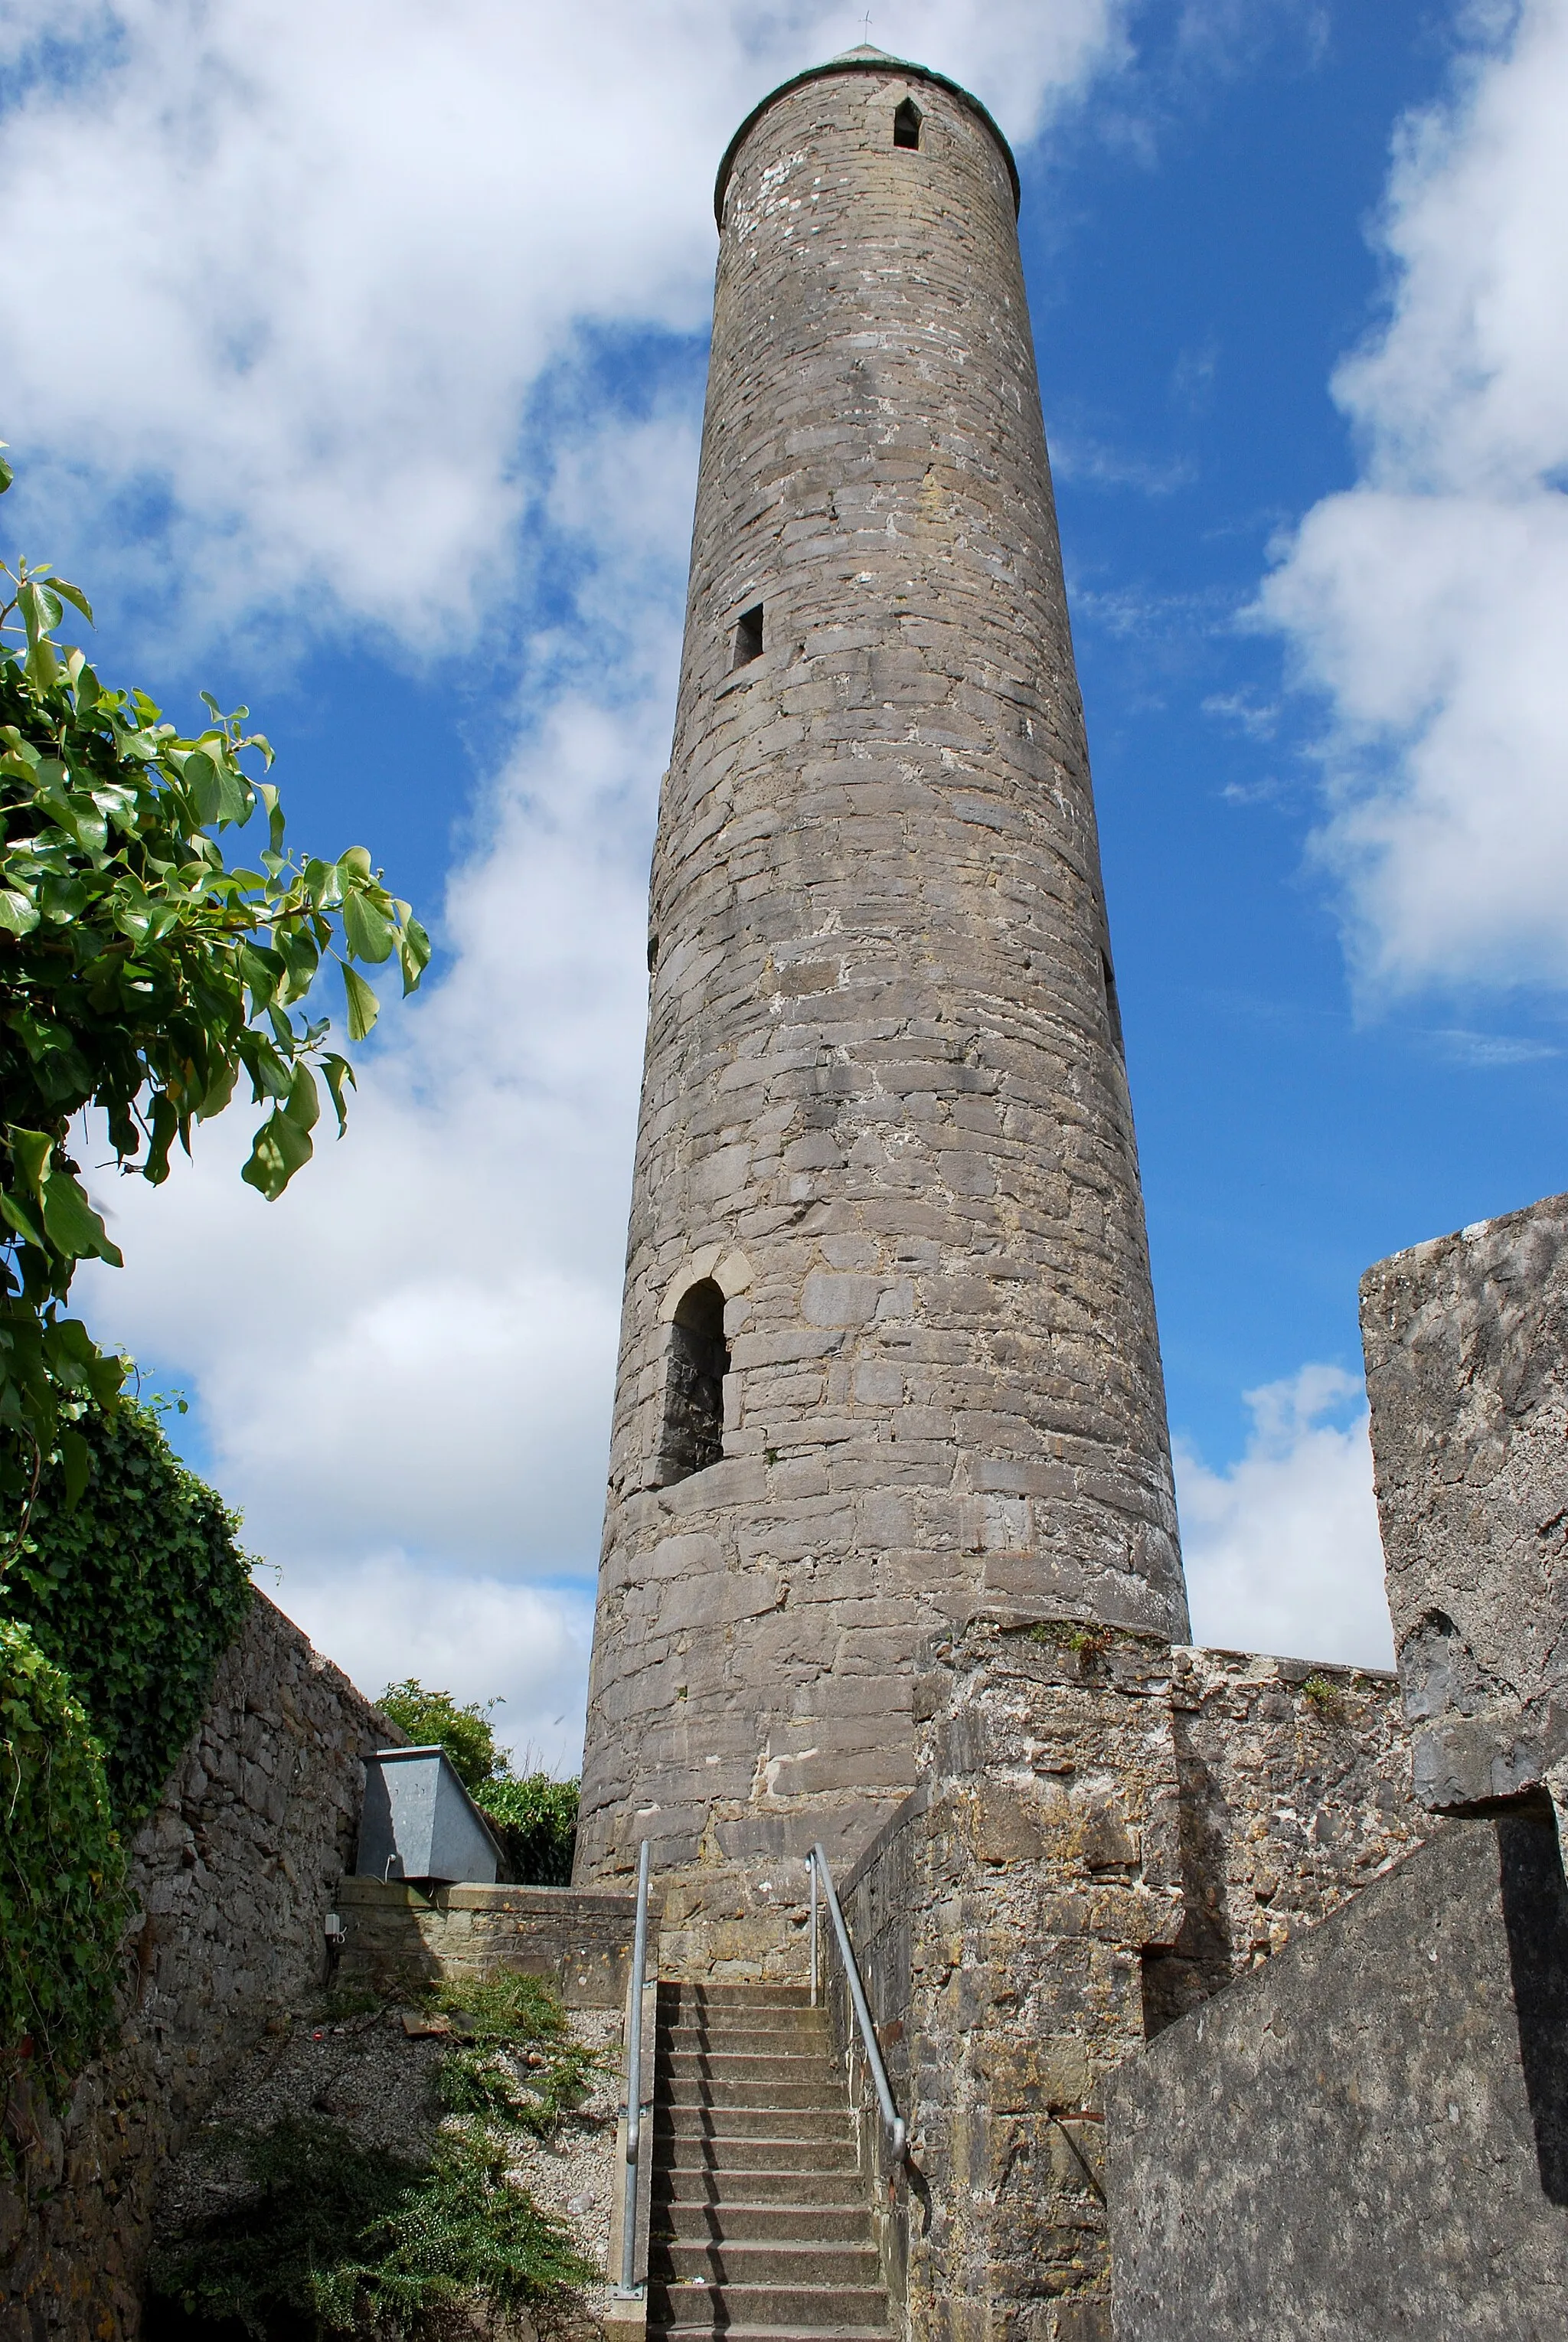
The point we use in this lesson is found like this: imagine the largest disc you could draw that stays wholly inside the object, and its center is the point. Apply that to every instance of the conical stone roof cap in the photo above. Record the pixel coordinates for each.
(863, 59)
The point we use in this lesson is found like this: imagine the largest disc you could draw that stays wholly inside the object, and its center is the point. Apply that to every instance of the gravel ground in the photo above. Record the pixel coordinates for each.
(367, 2073)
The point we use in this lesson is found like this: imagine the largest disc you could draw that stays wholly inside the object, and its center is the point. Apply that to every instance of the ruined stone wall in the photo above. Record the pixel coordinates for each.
(1294, 1790)
(1368, 2135)
(234, 1873)
(1106, 1823)
(884, 1108)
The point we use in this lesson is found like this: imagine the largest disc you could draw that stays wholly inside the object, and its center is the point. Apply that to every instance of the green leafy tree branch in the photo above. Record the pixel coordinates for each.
(142, 974)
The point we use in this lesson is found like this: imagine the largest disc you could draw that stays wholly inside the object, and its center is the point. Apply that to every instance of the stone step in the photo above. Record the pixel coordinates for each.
(731, 2040)
(679, 2152)
(733, 2221)
(840, 2187)
(812, 2310)
(744, 2062)
(683, 2331)
(692, 2119)
(764, 2263)
(682, 1995)
(744, 2088)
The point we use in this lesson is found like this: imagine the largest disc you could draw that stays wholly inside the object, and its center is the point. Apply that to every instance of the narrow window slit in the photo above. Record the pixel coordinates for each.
(906, 123)
(749, 636)
(693, 1436)
(1113, 1006)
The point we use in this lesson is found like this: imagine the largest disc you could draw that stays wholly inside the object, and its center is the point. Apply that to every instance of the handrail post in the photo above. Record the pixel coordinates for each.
(811, 1865)
(627, 2288)
(898, 2136)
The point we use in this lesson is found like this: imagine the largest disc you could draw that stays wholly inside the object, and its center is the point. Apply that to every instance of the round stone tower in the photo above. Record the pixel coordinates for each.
(888, 1353)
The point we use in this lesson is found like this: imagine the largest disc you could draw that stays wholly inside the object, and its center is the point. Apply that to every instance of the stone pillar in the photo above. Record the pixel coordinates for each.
(1466, 1341)
(888, 1348)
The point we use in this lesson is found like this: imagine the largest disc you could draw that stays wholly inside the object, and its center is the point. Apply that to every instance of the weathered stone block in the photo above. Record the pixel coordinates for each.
(1466, 1341)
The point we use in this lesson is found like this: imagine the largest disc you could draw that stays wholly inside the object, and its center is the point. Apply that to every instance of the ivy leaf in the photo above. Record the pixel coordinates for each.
(280, 1149)
(18, 912)
(364, 1007)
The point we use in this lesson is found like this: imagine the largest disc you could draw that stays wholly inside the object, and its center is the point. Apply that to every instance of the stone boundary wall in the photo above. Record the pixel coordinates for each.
(579, 1941)
(1369, 2135)
(1106, 1824)
(234, 1873)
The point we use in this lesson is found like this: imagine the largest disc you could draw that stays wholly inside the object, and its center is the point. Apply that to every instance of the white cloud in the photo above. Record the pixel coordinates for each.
(1428, 601)
(283, 276)
(480, 1638)
(1282, 1548)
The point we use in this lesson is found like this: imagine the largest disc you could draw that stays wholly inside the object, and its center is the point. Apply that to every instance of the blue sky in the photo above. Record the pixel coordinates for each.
(384, 418)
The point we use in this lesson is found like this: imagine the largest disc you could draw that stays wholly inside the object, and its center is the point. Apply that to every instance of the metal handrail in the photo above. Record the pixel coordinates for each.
(890, 2114)
(627, 2289)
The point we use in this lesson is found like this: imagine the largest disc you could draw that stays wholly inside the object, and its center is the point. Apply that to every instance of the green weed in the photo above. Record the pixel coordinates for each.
(338, 2239)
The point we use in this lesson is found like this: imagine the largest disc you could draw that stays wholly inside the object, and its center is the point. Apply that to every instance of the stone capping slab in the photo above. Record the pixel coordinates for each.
(866, 61)
(1290, 1670)
(527, 1902)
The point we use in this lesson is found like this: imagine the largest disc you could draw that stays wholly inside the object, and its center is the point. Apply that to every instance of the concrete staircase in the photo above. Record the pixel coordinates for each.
(759, 2222)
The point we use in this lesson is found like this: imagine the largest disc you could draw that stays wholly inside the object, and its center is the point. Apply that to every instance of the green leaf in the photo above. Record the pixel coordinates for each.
(336, 1071)
(220, 1088)
(166, 1130)
(269, 1076)
(30, 1151)
(71, 1224)
(18, 912)
(200, 776)
(364, 1007)
(369, 932)
(303, 1104)
(413, 952)
(261, 970)
(300, 955)
(6, 474)
(23, 1221)
(280, 1149)
(76, 1462)
(77, 598)
(42, 612)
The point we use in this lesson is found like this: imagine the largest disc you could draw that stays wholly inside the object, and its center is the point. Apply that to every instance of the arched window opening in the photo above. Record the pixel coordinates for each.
(694, 1386)
(748, 636)
(906, 123)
